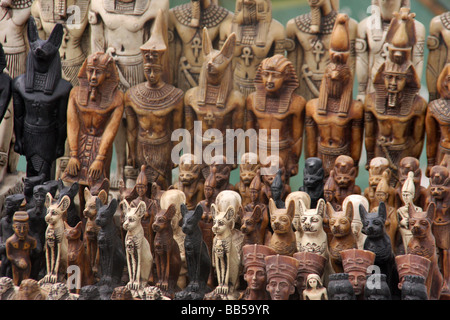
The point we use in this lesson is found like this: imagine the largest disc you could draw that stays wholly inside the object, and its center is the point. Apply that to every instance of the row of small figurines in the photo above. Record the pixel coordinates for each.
(224, 220)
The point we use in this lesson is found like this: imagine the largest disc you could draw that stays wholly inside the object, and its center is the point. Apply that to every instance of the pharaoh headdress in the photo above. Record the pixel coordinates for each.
(283, 65)
(261, 17)
(339, 53)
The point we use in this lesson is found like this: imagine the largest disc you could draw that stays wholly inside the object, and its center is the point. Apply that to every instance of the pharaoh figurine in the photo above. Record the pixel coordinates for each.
(377, 168)
(438, 43)
(281, 276)
(371, 45)
(329, 193)
(186, 23)
(355, 263)
(394, 117)
(308, 44)
(314, 288)
(408, 191)
(73, 15)
(313, 180)
(255, 271)
(19, 247)
(214, 103)
(248, 170)
(14, 16)
(40, 99)
(255, 196)
(437, 123)
(154, 109)
(119, 28)
(269, 171)
(275, 107)
(94, 114)
(190, 180)
(421, 193)
(440, 195)
(221, 172)
(334, 121)
(258, 36)
(344, 174)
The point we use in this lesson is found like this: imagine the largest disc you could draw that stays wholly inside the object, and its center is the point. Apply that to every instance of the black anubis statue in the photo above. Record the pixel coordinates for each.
(5, 85)
(313, 180)
(40, 103)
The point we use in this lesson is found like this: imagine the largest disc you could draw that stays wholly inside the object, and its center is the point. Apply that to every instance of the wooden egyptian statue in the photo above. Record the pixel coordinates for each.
(334, 122)
(190, 180)
(371, 45)
(186, 23)
(119, 28)
(269, 171)
(378, 167)
(275, 107)
(258, 36)
(94, 114)
(438, 44)
(309, 43)
(248, 170)
(40, 103)
(214, 102)
(420, 195)
(153, 110)
(395, 113)
(14, 16)
(437, 124)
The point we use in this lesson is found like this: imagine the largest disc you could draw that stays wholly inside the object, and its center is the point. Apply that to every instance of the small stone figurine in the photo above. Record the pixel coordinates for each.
(414, 288)
(340, 288)
(313, 180)
(355, 263)
(276, 189)
(420, 193)
(281, 276)
(255, 271)
(40, 99)
(283, 240)
(377, 292)
(19, 246)
(29, 290)
(269, 170)
(314, 288)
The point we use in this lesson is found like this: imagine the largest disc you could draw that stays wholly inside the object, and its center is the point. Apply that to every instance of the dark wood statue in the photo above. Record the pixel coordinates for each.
(395, 113)
(269, 170)
(334, 121)
(340, 287)
(406, 165)
(28, 185)
(40, 103)
(313, 180)
(377, 168)
(19, 247)
(72, 216)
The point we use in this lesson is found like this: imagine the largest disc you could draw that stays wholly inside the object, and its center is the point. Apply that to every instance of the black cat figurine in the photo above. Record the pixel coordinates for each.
(379, 243)
(313, 180)
(40, 99)
(198, 260)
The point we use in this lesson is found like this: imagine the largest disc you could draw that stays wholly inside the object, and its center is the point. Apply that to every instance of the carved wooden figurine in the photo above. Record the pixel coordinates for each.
(276, 189)
(255, 271)
(190, 180)
(371, 46)
(275, 106)
(56, 244)
(137, 247)
(313, 180)
(258, 36)
(8, 290)
(283, 240)
(28, 184)
(154, 109)
(186, 23)
(198, 260)
(214, 102)
(77, 256)
(355, 263)
(309, 263)
(40, 103)
(314, 288)
(420, 193)
(377, 167)
(309, 43)
(296, 197)
(343, 238)
(440, 195)
(340, 288)
(403, 212)
(14, 17)
(438, 43)
(72, 214)
(12, 204)
(119, 28)
(167, 252)
(411, 264)
(334, 121)
(254, 226)
(436, 123)
(395, 113)
(248, 169)
(94, 114)
(226, 251)
(221, 172)
(269, 170)
(19, 247)
(357, 225)
(281, 276)
(423, 243)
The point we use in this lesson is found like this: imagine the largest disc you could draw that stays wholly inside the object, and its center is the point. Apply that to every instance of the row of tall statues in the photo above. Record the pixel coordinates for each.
(130, 74)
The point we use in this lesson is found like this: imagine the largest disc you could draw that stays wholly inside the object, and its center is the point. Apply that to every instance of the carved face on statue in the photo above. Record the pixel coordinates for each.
(96, 69)
(273, 80)
(255, 278)
(439, 182)
(345, 172)
(394, 82)
(153, 73)
(21, 229)
(338, 75)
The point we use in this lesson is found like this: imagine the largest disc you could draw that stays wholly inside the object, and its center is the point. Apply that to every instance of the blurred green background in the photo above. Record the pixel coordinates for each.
(283, 11)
